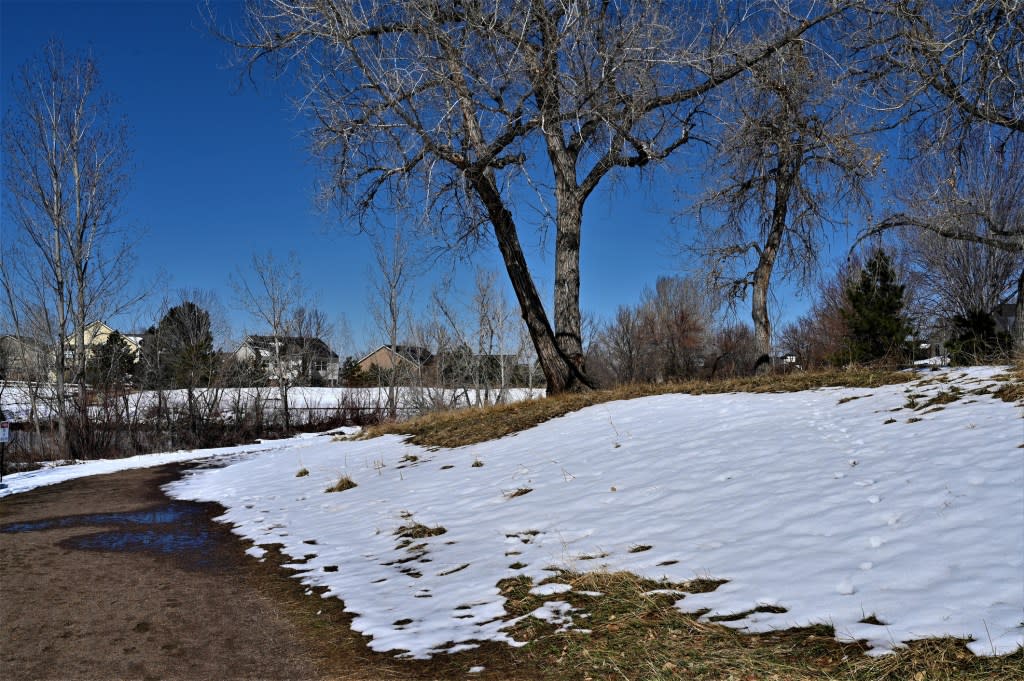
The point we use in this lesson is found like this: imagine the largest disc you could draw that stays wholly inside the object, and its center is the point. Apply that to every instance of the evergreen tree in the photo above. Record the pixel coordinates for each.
(111, 364)
(351, 375)
(179, 351)
(977, 340)
(876, 327)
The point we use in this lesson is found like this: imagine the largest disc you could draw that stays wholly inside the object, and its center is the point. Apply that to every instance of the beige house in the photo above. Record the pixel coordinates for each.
(403, 356)
(25, 359)
(97, 333)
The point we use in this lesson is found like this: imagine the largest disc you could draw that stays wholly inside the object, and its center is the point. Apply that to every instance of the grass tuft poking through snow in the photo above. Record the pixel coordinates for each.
(344, 483)
(419, 531)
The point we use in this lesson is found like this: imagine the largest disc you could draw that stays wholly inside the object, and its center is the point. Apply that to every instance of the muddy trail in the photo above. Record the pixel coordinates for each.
(107, 578)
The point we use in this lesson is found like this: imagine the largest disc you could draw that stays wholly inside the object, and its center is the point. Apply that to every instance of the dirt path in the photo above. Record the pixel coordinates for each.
(104, 577)
(107, 578)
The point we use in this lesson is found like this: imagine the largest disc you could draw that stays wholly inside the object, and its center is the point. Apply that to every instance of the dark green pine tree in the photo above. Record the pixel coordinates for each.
(179, 350)
(876, 327)
(112, 363)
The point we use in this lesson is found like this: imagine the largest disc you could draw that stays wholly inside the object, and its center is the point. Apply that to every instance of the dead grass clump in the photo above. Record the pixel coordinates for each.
(302, 472)
(517, 492)
(944, 397)
(419, 531)
(1011, 392)
(1012, 389)
(344, 482)
(480, 424)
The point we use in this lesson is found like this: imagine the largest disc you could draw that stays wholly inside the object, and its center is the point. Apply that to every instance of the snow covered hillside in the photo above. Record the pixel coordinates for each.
(893, 514)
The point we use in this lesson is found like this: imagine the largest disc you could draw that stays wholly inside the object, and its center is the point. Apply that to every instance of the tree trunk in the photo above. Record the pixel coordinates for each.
(568, 325)
(1018, 322)
(763, 274)
(561, 373)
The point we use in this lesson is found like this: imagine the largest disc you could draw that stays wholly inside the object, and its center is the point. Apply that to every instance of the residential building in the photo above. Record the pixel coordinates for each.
(302, 359)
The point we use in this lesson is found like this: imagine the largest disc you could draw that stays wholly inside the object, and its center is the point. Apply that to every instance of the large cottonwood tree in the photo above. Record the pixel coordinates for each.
(487, 118)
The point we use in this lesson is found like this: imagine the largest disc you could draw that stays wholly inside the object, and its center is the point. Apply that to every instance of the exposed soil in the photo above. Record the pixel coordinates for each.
(91, 588)
(106, 578)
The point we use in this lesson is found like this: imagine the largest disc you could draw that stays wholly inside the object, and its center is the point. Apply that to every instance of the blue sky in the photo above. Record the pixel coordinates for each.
(221, 171)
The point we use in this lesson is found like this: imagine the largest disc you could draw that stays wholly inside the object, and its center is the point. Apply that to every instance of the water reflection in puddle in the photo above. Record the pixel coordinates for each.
(176, 528)
(171, 513)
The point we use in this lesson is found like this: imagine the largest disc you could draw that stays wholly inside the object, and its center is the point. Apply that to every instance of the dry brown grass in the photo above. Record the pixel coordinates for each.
(470, 426)
(1012, 389)
(419, 531)
(344, 483)
(636, 632)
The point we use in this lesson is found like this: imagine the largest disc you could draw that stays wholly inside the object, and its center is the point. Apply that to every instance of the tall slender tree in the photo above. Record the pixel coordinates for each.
(65, 172)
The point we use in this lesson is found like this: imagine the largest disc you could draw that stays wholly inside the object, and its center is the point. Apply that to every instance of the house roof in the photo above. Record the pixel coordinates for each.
(291, 345)
(410, 353)
(27, 341)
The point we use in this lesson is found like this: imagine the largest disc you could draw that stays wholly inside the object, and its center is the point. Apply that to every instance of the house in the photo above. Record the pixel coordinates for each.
(97, 333)
(25, 359)
(412, 357)
(305, 359)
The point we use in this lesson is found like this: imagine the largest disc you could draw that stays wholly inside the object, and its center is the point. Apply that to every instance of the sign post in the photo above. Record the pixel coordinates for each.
(5, 435)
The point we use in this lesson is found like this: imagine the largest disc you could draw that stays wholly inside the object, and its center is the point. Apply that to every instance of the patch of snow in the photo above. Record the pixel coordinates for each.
(550, 589)
(256, 552)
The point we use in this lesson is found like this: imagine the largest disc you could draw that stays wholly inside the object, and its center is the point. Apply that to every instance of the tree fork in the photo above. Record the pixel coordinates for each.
(561, 373)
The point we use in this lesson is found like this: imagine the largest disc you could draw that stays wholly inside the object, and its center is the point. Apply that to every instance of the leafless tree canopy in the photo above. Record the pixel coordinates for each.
(793, 160)
(962, 61)
(957, 277)
(665, 337)
(274, 295)
(459, 111)
(957, 71)
(65, 159)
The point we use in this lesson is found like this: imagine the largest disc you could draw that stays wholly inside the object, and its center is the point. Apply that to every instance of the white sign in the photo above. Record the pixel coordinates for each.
(5, 431)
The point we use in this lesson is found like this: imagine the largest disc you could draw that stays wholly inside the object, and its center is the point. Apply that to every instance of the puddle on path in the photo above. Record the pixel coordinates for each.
(177, 529)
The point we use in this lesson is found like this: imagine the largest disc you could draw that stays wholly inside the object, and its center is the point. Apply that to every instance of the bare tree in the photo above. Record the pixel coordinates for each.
(272, 296)
(972, 194)
(818, 337)
(65, 158)
(792, 161)
(389, 305)
(735, 351)
(958, 277)
(958, 70)
(623, 345)
(961, 64)
(458, 111)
